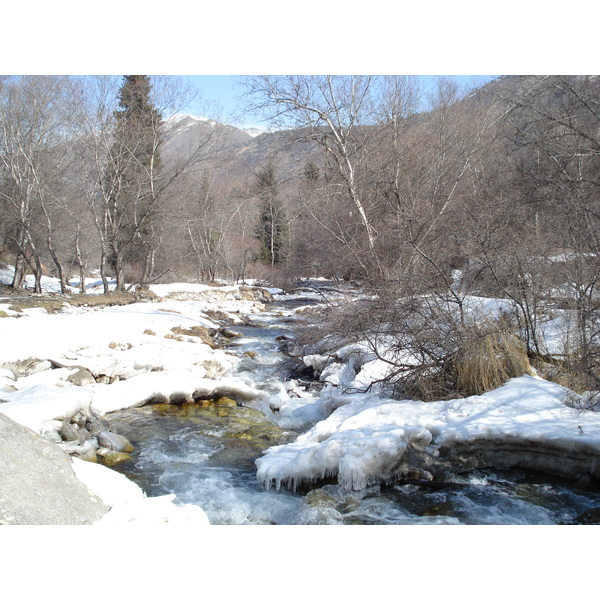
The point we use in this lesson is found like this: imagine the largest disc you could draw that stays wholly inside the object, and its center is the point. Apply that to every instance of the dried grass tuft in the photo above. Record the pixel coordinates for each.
(489, 355)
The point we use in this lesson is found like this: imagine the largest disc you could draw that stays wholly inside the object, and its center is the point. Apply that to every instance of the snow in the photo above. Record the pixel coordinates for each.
(361, 437)
(178, 117)
(135, 347)
(366, 435)
(39, 406)
(255, 132)
(128, 502)
(93, 285)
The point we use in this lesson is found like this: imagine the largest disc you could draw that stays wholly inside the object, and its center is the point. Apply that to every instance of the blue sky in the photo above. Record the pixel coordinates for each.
(220, 92)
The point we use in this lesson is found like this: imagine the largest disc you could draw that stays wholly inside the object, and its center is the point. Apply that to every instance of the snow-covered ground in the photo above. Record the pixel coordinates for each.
(135, 347)
(368, 438)
(363, 438)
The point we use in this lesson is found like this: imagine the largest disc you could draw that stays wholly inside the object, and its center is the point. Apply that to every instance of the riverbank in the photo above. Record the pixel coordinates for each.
(173, 348)
(66, 367)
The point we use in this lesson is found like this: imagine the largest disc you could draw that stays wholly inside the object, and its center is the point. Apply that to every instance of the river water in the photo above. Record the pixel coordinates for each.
(204, 454)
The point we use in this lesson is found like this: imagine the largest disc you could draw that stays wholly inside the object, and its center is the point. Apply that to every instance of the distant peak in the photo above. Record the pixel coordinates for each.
(179, 117)
(253, 131)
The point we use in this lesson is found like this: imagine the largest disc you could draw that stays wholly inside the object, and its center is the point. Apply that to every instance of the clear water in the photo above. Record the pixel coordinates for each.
(205, 455)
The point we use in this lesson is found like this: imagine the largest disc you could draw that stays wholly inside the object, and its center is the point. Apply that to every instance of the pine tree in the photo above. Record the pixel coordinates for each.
(134, 170)
(272, 230)
(311, 172)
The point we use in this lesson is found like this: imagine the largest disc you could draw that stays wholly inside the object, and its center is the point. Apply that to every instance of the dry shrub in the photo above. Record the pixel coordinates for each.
(446, 357)
(488, 356)
(568, 372)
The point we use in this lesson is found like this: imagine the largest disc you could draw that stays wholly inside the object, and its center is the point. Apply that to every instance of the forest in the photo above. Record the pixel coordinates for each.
(422, 199)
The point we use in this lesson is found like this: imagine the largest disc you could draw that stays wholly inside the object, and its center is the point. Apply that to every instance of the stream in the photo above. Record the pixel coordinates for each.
(205, 453)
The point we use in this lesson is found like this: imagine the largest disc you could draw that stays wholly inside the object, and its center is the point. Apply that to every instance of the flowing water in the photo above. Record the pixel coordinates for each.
(204, 454)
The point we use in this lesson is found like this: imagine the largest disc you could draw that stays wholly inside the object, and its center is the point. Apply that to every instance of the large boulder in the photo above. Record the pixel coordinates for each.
(37, 483)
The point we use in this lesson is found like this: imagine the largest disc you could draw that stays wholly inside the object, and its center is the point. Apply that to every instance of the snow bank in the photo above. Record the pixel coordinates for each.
(52, 284)
(42, 407)
(169, 387)
(35, 407)
(128, 502)
(370, 439)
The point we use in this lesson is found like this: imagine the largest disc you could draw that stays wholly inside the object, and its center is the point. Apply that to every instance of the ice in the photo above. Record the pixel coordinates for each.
(364, 441)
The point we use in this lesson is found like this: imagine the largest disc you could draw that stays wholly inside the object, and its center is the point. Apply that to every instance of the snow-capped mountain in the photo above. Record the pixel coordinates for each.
(236, 151)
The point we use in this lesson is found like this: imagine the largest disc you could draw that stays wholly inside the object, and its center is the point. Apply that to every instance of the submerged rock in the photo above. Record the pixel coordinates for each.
(589, 517)
(225, 401)
(319, 498)
(111, 458)
(445, 508)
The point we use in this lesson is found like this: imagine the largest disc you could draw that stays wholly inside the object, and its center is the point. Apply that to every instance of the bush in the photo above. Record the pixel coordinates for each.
(433, 352)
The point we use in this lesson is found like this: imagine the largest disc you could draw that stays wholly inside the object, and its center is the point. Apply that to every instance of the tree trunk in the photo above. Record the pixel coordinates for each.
(19, 275)
(103, 275)
(79, 262)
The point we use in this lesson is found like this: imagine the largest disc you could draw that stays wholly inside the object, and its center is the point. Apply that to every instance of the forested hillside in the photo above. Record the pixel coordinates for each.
(490, 192)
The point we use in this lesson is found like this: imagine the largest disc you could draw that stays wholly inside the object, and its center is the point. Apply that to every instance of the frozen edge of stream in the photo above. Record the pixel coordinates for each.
(355, 442)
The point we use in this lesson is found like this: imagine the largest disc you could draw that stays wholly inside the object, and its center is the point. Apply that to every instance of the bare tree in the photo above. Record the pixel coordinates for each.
(332, 111)
(34, 126)
(128, 212)
(553, 123)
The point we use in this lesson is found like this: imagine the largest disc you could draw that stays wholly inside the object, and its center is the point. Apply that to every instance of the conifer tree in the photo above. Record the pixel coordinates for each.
(131, 180)
(272, 230)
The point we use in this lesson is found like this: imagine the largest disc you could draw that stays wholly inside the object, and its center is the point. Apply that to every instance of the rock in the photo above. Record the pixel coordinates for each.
(85, 450)
(95, 425)
(180, 398)
(111, 458)
(218, 315)
(79, 418)
(50, 430)
(319, 498)
(203, 333)
(70, 432)
(114, 441)
(81, 377)
(225, 401)
(38, 484)
(214, 368)
(579, 461)
(227, 333)
(52, 435)
(30, 366)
